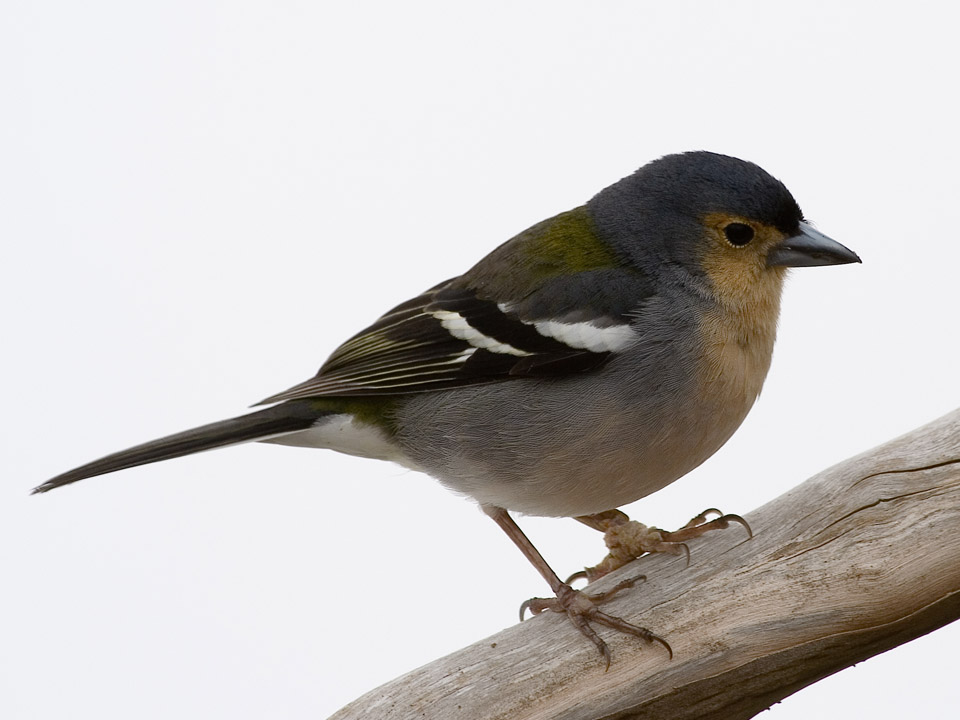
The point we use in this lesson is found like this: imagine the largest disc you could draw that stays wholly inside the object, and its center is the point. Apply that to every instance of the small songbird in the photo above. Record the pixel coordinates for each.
(587, 362)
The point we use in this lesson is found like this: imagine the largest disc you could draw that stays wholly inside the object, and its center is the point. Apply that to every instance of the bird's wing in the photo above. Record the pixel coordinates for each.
(552, 301)
(454, 336)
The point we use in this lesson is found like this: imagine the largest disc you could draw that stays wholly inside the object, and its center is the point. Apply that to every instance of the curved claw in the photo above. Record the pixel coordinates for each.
(578, 575)
(582, 623)
(583, 609)
(534, 605)
(627, 539)
(622, 625)
(729, 518)
(701, 525)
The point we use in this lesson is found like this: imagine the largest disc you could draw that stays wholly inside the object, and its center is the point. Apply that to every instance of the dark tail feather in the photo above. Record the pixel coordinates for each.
(285, 418)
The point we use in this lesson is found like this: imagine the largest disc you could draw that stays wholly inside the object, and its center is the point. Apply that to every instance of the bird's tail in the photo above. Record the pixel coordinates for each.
(278, 420)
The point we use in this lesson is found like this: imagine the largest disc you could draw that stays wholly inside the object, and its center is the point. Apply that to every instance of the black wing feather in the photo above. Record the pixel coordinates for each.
(408, 350)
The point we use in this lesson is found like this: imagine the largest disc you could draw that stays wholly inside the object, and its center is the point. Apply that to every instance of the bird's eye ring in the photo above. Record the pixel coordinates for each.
(738, 234)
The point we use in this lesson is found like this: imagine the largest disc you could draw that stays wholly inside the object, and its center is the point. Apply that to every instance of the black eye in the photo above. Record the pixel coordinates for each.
(738, 234)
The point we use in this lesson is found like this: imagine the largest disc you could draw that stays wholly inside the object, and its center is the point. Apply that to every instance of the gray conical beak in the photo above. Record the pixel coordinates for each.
(808, 248)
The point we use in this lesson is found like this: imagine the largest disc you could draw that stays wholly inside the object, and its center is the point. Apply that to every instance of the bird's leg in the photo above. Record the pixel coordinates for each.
(628, 539)
(581, 608)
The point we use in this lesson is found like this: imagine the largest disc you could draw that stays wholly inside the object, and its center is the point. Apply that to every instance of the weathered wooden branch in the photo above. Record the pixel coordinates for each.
(860, 558)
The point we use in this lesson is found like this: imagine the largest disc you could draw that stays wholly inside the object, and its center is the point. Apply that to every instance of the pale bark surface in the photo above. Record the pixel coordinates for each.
(856, 560)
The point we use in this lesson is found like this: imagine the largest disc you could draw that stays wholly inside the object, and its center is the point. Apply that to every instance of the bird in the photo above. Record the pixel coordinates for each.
(587, 362)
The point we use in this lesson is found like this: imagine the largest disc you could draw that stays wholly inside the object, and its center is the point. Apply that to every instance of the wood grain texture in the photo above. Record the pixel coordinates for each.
(856, 560)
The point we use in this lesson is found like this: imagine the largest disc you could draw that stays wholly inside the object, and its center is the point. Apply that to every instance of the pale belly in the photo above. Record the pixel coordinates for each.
(569, 450)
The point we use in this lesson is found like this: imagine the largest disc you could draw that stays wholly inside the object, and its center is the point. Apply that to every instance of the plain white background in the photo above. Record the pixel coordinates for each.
(200, 200)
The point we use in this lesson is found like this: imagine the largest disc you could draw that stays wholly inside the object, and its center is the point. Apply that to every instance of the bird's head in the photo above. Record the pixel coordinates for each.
(713, 218)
